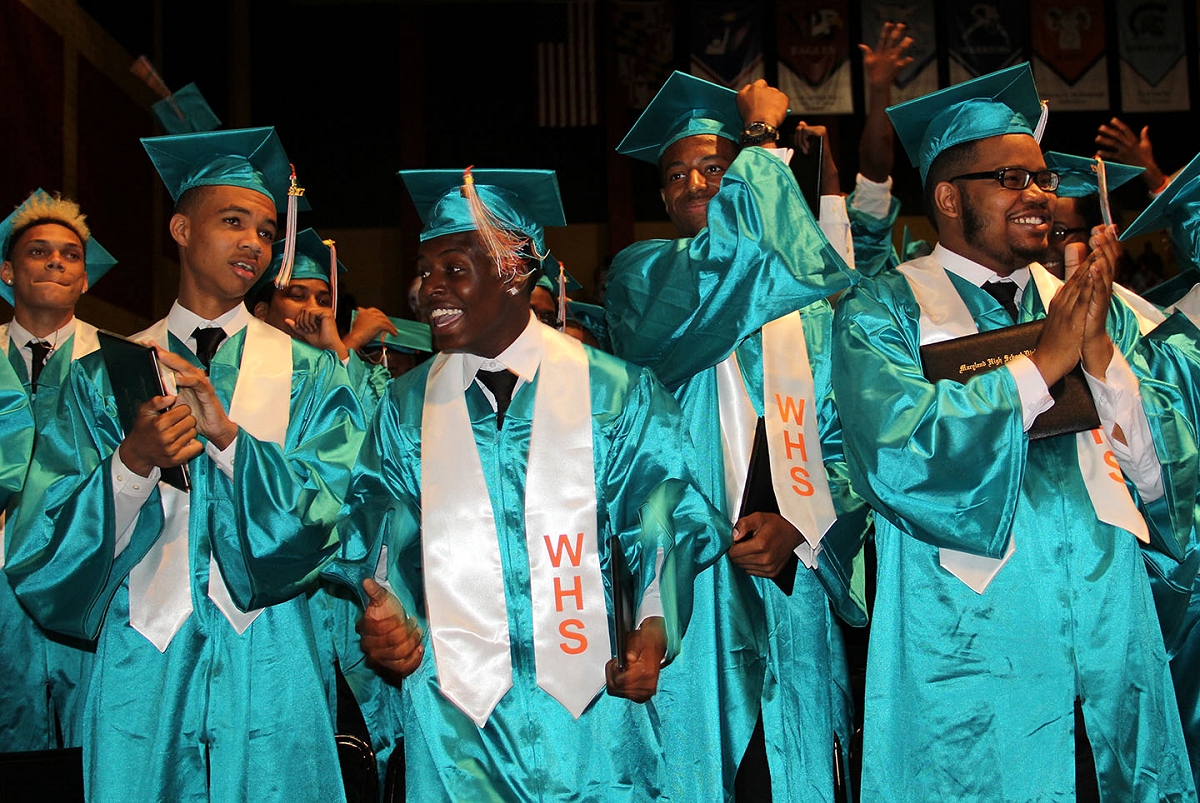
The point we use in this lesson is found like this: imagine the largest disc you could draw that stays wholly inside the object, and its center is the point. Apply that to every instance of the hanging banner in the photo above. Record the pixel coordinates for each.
(984, 37)
(1151, 42)
(920, 77)
(726, 43)
(814, 55)
(644, 41)
(1069, 62)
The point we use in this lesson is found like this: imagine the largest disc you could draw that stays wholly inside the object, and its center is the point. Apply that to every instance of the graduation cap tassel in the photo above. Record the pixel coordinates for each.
(562, 298)
(333, 274)
(144, 70)
(507, 250)
(295, 191)
(1040, 128)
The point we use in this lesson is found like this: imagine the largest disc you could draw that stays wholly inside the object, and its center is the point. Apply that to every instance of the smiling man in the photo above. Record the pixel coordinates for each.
(487, 491)
(1012, 609)
(206, 676)
(732, 318)
(49, 260)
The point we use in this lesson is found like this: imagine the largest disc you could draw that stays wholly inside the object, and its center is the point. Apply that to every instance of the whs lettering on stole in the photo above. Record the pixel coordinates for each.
(794, 446)
(568, 592)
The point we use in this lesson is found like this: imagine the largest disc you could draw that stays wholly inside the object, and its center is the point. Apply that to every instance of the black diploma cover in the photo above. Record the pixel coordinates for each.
(136, 378)
(759, 497)
(964, 357)
(622, 596)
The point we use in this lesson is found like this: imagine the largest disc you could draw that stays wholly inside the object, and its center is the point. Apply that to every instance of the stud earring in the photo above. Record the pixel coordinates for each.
(512, 291)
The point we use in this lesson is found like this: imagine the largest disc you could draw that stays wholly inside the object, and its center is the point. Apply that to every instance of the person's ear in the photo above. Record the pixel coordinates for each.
(6, 272)
(947, 200)
(261, 309)
(180, 228)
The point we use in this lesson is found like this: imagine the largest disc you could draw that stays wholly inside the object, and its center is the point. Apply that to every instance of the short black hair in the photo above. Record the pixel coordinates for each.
(16, 234)
(187, 203)
(951, 162)
(262, 291)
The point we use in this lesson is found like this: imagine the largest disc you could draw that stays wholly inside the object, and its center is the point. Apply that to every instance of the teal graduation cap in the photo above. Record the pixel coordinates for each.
(1077, 177)
(47, 208)
(1172, 205)
(1002, 102)
(252, 158)
(411, 336)
(685, 106)
(521, 201)
(313, 259)
(186, 112)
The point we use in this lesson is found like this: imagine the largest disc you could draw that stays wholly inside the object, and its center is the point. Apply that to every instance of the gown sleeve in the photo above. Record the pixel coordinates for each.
(680, 306)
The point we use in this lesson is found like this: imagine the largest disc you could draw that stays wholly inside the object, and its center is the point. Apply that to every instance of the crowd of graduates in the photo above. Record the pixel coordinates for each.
(527, 548)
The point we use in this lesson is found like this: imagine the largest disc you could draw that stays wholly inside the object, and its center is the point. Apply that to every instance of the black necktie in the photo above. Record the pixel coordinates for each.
(207, 340)
(40, 352)
(501, 384)
(1006, 294)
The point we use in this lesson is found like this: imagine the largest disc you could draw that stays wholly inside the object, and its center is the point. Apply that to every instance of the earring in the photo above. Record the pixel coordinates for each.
(512, 291)
(8, 281)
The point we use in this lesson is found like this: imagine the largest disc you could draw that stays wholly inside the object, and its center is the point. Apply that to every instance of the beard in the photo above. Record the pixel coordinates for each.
(1014, 255)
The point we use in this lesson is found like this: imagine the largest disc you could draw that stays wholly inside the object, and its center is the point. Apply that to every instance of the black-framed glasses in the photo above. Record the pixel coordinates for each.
(1058, 234)
(1017, 178)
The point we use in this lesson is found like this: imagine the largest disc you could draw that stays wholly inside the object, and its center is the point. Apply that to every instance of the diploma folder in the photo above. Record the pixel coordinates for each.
(622, 596)
(759, 497)
(964, 357)
(136, 377)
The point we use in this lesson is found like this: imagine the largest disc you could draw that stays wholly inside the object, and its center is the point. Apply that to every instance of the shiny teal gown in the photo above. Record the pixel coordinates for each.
(1172, 354)
(680, 307)
(336, 611)
(42, 675)
(218, 716)
(873, 249)
(531, 748)
(970, 696)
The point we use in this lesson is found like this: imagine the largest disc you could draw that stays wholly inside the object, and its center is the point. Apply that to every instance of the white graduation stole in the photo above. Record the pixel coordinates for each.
(944, 316)
(84, 342)
(460, 550)
(794, 441)
(160, 597)
(1148, 316)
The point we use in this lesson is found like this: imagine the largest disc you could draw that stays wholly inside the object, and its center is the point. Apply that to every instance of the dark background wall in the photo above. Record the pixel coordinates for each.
(359, 90)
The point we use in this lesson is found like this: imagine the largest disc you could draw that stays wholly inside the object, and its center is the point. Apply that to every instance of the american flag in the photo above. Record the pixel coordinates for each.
(567, 94)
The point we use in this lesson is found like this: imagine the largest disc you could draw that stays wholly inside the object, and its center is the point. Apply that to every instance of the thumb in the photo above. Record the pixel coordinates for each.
(1073, 256)
(382, 602)
(1145, 135)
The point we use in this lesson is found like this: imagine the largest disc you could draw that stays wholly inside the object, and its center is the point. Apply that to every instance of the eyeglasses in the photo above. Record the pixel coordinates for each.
(1017, 178)
(1058, 235)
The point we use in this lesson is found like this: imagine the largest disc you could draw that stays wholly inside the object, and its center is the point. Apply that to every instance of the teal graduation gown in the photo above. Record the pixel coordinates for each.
(336, 611)
(970, 696)
(218, 715)
(24, 723)
(531, 748)
(1172, 354)
(42, 674)
(680, 307)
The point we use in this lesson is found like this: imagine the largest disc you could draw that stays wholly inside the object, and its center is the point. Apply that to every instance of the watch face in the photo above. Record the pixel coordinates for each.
(756, 129)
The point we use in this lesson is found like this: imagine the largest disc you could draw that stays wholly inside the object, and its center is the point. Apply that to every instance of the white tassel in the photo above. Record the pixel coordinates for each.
(1041, 123)
(295, 191)
(333, 274)
(562, 298)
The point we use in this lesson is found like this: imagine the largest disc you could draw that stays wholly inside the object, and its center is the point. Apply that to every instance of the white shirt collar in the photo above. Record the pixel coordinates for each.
(181, 322)
(975, 273)
(522, 357)
(21, 336)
